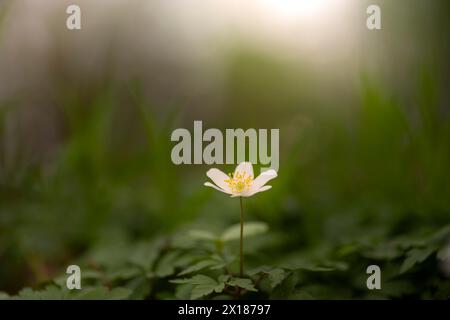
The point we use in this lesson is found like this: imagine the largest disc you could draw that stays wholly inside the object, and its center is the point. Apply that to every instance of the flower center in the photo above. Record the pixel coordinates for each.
(239, 183)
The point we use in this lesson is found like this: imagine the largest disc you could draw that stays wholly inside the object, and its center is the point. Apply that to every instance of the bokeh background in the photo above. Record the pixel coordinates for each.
(364, 119)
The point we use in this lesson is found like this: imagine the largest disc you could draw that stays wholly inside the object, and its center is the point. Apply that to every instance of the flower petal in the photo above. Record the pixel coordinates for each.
(263, 178)
(246, 167)
(209, 184)
(219, 177)
(249, 194)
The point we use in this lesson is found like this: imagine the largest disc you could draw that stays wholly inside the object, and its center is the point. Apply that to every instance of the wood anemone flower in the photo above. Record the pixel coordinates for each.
(241, 183)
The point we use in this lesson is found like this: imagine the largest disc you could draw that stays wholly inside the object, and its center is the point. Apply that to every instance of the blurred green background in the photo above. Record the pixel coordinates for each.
(364, 119)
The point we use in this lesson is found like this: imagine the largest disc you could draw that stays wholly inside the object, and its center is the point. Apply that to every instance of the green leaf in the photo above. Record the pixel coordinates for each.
(28, 294)
(307, 266)
(144, 255)
(275, 275)
(318, 292)
(285, 288)
(416, 256)
(439, 236)
(202, 235)
(246, 284)
(204, 289)
(140, 287)
(198, 266)
(119, 294)
(384, 251)
(109, 255)
(183, 291)
(166, 265)
(203, 285)
(260, 269)
(93, 293)
(197, 279)
(221, 262)
(250, 229)
(224, 278)
(397, 288)
(123, 273)
(102, 293)
(50, 292)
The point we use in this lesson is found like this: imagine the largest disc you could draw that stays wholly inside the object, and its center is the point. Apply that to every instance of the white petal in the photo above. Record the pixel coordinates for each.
(209, 184)
(244, 167)
(263, 178)
(249, 194)
(219, 177)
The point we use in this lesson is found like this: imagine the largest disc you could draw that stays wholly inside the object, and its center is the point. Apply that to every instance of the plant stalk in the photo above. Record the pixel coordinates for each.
(242, 240)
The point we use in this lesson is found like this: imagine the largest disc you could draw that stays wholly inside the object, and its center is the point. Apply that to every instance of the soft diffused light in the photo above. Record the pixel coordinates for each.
(296, 7)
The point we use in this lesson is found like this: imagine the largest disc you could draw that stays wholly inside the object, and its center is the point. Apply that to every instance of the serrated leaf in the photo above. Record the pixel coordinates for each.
(221, 261)
(197, 279)
(123, 273)
(250, 229)
(28, 294)
(166, 265)
(140, 287)
(102, 293)
(224, 277)
(285, 288)
(246, 284)
(198, 266)
(109, 255)
(204, 289)
(275, 275)
(50, 292)
(203, 285)
(416, 256)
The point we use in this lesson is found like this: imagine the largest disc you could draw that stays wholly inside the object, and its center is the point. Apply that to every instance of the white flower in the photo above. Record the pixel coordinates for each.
(241, 183)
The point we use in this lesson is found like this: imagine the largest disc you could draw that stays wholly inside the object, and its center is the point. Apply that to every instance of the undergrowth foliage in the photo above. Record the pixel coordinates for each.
(200, 264)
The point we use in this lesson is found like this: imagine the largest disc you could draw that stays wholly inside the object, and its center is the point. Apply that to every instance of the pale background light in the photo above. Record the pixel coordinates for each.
(296, 7)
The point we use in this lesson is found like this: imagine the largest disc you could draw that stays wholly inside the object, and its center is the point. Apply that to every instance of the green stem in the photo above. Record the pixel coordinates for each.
(242, 240)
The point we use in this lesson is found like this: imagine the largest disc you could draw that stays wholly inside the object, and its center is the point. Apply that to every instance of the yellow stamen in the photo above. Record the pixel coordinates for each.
(240, 182)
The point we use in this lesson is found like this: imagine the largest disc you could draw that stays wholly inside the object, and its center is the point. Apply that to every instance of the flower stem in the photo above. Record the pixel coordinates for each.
(242, 240)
